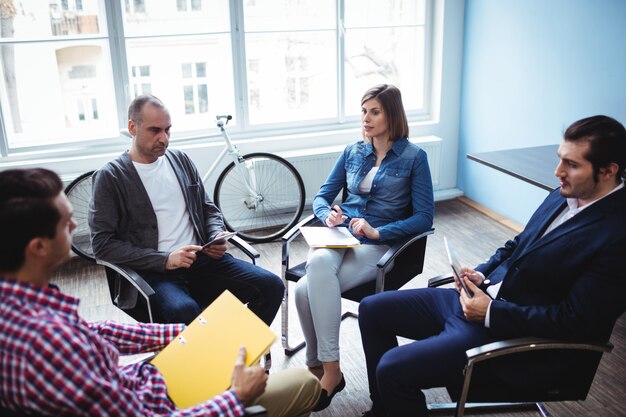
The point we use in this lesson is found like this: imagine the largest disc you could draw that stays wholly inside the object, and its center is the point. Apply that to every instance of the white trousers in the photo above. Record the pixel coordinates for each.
(329, 272)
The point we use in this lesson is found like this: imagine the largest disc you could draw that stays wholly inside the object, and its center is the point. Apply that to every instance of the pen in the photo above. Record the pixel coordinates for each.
(343, 216)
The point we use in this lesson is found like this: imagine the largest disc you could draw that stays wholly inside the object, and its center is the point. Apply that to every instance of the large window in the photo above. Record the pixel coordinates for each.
(69, 68)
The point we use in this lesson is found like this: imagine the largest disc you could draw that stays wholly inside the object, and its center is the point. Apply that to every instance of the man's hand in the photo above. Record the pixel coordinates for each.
(247, 382)
(182, 257)
(470, 274)
(475, 308)
(336, 217)
(360, 227)
(217, 249)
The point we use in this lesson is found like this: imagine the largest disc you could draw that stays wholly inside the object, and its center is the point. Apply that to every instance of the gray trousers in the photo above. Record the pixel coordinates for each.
(329, 272)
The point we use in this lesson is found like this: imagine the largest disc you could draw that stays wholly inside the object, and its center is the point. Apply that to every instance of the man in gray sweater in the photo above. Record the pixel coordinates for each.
(149, 211)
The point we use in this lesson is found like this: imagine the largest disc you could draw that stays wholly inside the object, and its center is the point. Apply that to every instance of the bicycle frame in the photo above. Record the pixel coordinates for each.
(252, 179)
(231, 149)
(249, 180)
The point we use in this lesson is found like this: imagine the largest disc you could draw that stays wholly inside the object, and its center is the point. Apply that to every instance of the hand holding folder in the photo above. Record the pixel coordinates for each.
(198, 363)
(247, 382)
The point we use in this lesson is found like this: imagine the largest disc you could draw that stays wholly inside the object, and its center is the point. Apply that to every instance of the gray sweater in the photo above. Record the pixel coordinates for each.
(123, 223)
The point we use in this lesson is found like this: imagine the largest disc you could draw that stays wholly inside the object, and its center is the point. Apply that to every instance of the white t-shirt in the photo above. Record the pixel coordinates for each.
(366, 183)
(168, 202)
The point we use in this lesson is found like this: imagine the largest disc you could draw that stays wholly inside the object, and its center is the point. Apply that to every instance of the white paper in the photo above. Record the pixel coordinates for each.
(329, 237)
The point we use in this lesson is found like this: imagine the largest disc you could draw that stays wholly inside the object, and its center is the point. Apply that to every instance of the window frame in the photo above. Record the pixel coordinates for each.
(123, 82)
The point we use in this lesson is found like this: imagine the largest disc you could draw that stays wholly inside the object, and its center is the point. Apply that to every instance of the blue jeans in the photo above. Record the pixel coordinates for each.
(181, 294)
(434, 319)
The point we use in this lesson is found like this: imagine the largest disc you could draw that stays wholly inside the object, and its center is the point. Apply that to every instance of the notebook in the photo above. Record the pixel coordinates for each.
(198, 364)
(329, 237)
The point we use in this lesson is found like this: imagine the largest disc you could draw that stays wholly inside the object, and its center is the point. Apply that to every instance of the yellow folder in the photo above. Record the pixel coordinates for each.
(199, 362)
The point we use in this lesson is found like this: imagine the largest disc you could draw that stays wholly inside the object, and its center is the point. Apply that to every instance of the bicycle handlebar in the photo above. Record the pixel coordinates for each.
(220, 118)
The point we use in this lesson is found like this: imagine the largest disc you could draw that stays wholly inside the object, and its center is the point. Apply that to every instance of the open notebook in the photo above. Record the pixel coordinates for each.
(199, 362)
(329, 237)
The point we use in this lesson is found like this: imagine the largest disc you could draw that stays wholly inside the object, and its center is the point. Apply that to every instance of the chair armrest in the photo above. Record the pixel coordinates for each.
(399, 247)
(526, 344)
(245, 248)
(440, 280)
(131, 276)
(293, 233)
(255, 411)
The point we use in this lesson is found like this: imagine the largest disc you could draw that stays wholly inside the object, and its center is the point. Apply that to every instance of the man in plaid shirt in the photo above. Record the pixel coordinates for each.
(54, 363)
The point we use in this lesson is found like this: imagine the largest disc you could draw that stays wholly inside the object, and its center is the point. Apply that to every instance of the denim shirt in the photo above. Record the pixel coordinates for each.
(400, 202)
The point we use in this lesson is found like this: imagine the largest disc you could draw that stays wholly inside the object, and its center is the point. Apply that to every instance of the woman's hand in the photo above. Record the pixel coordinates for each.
(360, 227)
(335, 217)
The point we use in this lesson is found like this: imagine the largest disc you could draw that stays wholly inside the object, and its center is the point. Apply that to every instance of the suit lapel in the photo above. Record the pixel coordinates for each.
(578, 221)
(545, 218)
(587, 216)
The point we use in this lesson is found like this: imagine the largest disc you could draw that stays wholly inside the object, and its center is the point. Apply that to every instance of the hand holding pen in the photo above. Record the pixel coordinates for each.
(336, 217)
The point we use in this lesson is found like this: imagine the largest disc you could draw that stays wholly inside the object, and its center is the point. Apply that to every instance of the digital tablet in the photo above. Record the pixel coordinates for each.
(456, 267)
(219, 239)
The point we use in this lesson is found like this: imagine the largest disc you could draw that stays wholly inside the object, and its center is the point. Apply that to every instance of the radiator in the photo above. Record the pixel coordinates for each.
(314, 165)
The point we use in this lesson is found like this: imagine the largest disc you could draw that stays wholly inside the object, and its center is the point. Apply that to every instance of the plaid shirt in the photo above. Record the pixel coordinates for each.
(54, 363)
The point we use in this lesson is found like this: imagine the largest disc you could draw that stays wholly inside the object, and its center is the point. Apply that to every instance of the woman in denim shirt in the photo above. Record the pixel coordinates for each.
(390, 196)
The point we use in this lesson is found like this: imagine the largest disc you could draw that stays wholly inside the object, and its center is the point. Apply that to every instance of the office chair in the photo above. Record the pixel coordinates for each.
(544, 370)
(128, 290)
(402, 262)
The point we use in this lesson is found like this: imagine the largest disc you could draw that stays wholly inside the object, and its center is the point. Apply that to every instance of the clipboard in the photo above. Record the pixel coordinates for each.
(329, 237)
(198, 363)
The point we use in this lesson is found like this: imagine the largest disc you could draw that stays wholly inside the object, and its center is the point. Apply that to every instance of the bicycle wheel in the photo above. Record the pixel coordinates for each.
(270, 207)
(79, 194)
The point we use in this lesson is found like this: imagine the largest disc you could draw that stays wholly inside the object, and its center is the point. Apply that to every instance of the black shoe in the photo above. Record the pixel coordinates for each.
(368, 413)
(325, 399)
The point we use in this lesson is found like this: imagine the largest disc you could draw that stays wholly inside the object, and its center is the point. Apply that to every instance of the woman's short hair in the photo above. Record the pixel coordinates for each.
(390, 99)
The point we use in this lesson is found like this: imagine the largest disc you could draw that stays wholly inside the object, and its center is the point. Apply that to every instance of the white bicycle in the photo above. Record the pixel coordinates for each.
(261, 195)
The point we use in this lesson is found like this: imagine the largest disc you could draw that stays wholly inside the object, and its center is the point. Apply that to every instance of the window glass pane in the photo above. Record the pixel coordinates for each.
(201, 69)
(134, 6)
(168, 18)
(392, 52)
(168, 81)
(376, 13)
(291, 76)
(190, 106)
(203, 98)
(42, 19)
(289, 15)
(55, 106)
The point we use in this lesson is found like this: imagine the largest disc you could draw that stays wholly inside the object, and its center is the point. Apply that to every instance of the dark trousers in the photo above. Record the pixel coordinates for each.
(397, 374)
(180, 295)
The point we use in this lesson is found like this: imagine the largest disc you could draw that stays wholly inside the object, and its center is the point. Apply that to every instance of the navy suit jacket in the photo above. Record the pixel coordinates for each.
(569, 284)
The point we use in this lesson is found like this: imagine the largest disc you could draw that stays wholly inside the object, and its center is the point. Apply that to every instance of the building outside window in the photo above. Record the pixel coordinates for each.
(195, 87)
(140, 79)
(298, 64)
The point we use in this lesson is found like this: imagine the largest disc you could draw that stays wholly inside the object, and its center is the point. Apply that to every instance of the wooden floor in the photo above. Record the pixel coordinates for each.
(475, 235)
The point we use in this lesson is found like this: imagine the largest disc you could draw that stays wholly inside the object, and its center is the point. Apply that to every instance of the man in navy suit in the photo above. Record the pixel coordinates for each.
(563, 277)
